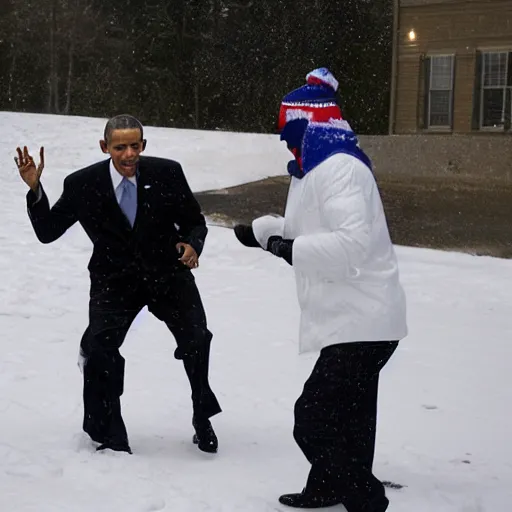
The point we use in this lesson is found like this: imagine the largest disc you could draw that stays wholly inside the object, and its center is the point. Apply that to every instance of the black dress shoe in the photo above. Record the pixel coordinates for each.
(97, 438)
(205, 437)
(378, 504)
(95, 430)
(115, 446)
(307, 500)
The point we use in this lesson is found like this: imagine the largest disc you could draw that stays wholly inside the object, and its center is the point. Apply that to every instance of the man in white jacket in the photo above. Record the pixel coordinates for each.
(334, 234)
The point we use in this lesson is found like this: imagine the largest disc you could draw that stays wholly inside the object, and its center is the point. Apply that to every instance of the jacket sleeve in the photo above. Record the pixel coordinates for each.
(267, 226)
(51, 223)
(191, 222)
(346, 213)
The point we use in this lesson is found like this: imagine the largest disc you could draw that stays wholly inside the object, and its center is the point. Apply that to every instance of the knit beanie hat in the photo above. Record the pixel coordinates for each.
(315, 101)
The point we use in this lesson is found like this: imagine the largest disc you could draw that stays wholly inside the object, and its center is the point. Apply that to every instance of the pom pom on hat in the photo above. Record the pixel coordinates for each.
(322, 76)
(315, 101)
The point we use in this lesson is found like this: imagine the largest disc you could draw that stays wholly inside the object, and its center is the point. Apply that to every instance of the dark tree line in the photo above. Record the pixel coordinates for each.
(209, 64)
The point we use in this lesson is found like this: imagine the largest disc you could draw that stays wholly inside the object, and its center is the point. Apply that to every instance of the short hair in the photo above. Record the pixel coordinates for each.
(122, 122)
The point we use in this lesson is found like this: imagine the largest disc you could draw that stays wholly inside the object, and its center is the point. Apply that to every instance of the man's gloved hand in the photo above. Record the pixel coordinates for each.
(245, 235)
(281, 248)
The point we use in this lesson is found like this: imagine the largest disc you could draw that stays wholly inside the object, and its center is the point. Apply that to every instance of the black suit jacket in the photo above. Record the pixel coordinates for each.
(167, 213)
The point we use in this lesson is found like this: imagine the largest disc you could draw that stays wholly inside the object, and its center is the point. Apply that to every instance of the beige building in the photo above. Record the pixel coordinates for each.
(452, 67)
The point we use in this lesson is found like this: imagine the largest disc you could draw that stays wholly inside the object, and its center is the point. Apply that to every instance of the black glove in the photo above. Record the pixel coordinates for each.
(281, 248)
(245, 235)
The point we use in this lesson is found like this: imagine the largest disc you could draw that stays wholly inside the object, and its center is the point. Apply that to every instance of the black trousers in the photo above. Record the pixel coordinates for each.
(112, 309)
(335, 421)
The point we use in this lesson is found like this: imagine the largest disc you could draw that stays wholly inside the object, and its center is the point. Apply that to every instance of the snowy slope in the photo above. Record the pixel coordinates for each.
(210, 159)
(444, 420)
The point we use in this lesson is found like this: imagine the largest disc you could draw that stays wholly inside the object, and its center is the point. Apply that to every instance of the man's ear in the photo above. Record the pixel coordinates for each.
(103, 146)
(144, 142)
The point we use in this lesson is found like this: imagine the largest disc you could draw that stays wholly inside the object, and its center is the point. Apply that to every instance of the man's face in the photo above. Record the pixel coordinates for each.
(124, 147)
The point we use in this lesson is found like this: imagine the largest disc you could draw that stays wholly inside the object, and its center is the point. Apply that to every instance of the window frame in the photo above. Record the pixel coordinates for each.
(451, 90)
(506, 88)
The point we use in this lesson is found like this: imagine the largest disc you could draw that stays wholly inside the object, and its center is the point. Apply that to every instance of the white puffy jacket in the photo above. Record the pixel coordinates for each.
(345, 265)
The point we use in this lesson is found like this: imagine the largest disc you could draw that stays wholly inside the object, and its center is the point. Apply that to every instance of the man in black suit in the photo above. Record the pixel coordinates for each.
(148, 233)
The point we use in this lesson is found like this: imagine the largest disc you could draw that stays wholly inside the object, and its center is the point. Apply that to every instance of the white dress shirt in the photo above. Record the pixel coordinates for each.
(117, 178)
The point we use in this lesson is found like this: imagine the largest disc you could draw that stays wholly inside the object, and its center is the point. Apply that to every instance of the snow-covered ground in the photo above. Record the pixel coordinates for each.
(444, 418)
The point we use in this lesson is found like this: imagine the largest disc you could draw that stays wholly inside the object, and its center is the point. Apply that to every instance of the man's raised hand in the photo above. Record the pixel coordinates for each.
(29, 173)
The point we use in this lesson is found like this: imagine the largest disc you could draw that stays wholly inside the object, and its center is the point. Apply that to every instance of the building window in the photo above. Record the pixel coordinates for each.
(440, 94)
(496, 80)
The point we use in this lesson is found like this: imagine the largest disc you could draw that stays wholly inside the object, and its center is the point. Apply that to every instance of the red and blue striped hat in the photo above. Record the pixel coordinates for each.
(315, 101)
